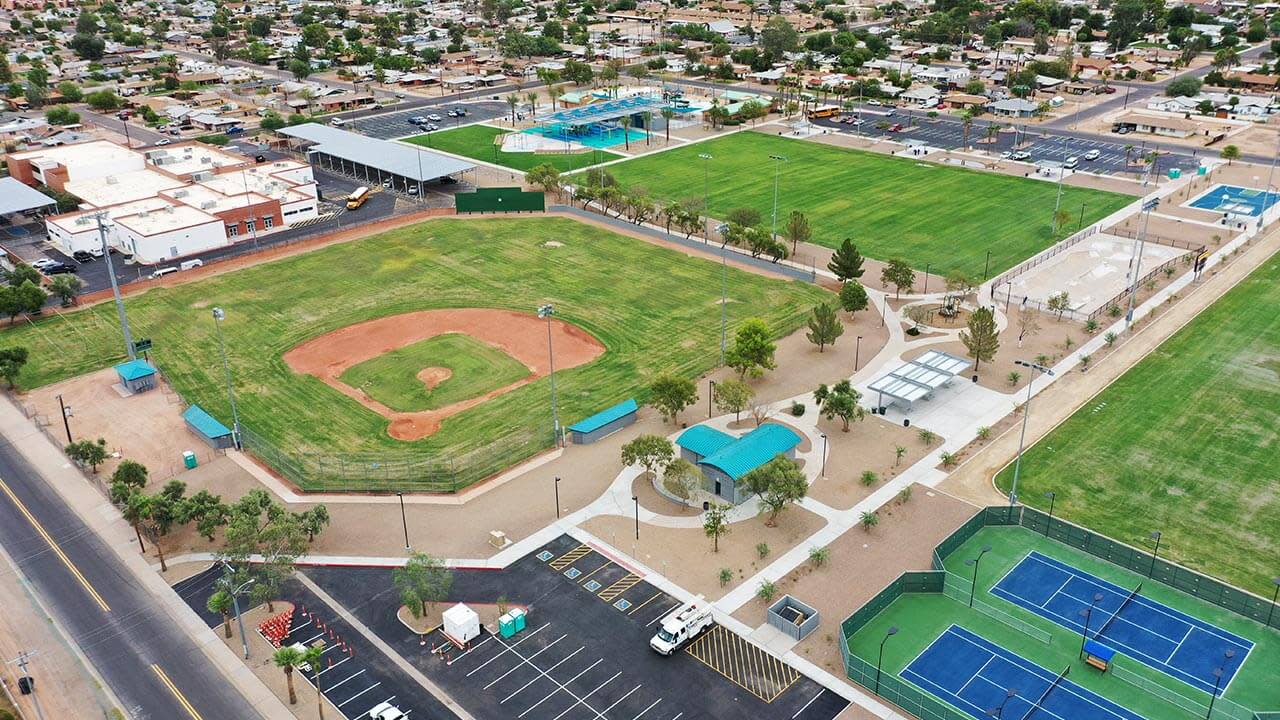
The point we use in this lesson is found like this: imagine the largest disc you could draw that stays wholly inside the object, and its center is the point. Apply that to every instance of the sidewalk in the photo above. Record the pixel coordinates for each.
(100, 516)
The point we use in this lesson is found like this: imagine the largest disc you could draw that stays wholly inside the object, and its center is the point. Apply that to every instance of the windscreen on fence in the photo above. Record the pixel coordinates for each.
(500, 199)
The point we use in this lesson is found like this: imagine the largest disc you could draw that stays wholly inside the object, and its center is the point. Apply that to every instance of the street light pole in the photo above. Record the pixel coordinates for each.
(711, 396)
(824, 454)
(115, 291)
(234, 592)
(636, 499)
(893, 630)
(218, 317)
(546, 311)
(857, 350)
(1026, 412)
(973, 587)
(65, 423)
(403, 521)
(557, 488)
(777, 168)
(1088, 615)
(1139, 245)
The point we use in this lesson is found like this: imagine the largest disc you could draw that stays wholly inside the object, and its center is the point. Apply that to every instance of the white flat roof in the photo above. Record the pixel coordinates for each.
(915, 379)
(121, 187)
(71, 222)
(192, 158)
(212, 201)
(96, 152)
(168, 219)
(395, 158)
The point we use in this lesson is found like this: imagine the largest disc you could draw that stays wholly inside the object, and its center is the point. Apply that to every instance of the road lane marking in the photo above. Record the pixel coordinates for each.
(182, 699)
(56, 549)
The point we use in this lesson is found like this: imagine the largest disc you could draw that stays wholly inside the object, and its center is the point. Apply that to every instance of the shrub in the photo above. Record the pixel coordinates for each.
(1168, 272)
(762, 549)
(1109, 339)
(948, 459)
(1013, 377)
(927, 436)
(1091, 326)
(797, 409)
(869, 520)
(1113, 310)
(905, 496)
(818, 556)
(1085, 360)
(984, 432)
(767, 591)
(726, 575)
(1068, 343)
(869, 478)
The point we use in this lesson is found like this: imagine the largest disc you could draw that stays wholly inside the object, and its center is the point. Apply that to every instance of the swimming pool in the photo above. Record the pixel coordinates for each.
(1236, 200)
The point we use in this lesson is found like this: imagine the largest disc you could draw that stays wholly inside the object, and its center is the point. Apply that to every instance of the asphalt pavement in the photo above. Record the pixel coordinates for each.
(153, 668)
(395, 124)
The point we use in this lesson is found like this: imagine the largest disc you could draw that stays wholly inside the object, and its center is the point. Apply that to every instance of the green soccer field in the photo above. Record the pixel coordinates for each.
(922, 617)
(655, 310)
(945, 217)
(1185, 443)
(477, 143)
(475, 368)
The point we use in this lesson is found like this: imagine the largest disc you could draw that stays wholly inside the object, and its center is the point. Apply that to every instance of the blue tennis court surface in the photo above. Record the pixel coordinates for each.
(1152, 633)
(1236, 200)
(974, 675)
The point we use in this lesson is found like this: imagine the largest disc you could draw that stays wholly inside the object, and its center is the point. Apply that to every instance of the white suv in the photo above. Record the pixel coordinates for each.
(385, 711)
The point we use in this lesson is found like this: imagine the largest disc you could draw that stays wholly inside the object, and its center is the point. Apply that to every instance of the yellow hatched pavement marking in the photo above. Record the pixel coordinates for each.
(570, 557)
(743, 663)
(612, 592)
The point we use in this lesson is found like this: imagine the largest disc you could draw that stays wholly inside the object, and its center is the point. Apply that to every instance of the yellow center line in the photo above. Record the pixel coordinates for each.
(182, 699)
(56, 549)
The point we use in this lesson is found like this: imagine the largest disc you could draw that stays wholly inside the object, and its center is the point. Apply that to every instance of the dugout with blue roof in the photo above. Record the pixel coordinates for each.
(137, 375)
(604, 423)
(724, 460)
(214, 433)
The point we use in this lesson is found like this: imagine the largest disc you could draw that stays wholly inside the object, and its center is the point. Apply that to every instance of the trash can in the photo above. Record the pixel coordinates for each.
(506, 626)
(517, 617)
(189, 459)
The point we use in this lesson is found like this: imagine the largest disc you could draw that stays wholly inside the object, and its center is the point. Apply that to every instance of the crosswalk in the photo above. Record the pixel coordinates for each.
(320, 218)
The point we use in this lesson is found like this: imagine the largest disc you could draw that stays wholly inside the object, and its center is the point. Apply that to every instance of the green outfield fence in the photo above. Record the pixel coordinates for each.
(500, 199)
(925, 706)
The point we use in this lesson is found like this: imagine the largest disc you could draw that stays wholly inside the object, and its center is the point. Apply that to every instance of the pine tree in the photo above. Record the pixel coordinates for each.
(846, 263)
(982, 339)
(824, 326)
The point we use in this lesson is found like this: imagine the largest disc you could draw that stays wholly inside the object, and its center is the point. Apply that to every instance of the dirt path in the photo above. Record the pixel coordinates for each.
(973, 479)
(519, 335)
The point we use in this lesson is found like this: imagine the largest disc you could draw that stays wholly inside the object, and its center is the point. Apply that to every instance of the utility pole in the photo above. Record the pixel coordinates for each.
(26, 680)
(115, 290)
(66, 424)
(1139, 244)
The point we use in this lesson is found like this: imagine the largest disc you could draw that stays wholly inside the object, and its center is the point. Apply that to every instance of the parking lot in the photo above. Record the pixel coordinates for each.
(355, 676)
(392, 125)
(585, 651)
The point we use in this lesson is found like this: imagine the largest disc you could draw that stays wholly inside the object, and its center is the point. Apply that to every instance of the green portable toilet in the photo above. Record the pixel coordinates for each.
(506, 626)
(1202, 170)
(518, 617)
(189, 459)
(1175, 173)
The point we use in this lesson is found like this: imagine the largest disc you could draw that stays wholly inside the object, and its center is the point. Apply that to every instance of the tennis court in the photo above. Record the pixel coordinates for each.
(1152, 633)
(985, 680)
(1236, 200)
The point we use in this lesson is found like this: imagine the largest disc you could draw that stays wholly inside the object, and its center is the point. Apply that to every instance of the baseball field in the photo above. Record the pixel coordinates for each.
(926, 214)
(415, 302)
(1184, 443)
(477, 143)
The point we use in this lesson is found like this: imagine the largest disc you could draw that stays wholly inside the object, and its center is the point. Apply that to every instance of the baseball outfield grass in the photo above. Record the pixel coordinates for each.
(922, 617)
(655, 310)
(474, 369)
(477, 143)
(1184, 443)
(926, 214)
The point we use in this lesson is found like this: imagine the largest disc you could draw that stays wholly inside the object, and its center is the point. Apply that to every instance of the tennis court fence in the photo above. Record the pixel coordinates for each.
(1223, 709)
(958, 588)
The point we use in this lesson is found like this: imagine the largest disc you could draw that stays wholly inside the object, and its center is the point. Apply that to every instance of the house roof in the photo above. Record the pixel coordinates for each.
(134, 369)
(204, 423)
(753, 450)
(704, 440)
(604, 417)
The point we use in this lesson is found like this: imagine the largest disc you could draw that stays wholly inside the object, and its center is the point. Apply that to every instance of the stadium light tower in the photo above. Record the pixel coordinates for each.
(777, 168)
(973, 587)
(1139, 244)
(893, 630)
(724, 261)
(546, 311)
(218, 317)
(115, 288)
(1026, 411)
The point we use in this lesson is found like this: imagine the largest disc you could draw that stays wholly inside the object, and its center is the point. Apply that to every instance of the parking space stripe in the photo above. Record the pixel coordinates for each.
(566, 684)
(334, 665)
(477, 646)
(663, 614)
(646, 602)
(528, 660)
(642, 712)
(506, 648)
(583, 700)
(806, 705)
(355, 674)
(353, 697)
(615, 702)
(536, 679)
(583, 579)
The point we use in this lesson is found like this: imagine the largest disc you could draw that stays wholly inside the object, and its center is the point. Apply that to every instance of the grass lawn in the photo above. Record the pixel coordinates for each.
(476, 142)
(1185, 443)
(946, 217)
(654, 310)
(476, 368)
(922, 617)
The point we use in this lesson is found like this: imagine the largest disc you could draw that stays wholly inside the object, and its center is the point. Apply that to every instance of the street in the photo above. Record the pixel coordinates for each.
(103, 609)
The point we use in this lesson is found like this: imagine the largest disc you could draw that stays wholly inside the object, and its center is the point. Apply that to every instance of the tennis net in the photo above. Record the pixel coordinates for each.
(1040, 702)
(1120, 609)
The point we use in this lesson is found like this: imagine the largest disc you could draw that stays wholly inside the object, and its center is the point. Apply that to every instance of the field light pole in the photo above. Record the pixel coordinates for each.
(557, 487)
(724, 261)
(403, 521)
(1088, 615)
(1139, 244)
(235, 592)
(1275, 595)
(636, 499)
(1026, 412)
(1267, 192)
(857, 350)
(1052, 496)
(218, 317)
(973, 587)
(115, 290)
(777, 168)
(824, 454)
(893, 630)
(1155, 535)
(546, 311)
(1009, 694)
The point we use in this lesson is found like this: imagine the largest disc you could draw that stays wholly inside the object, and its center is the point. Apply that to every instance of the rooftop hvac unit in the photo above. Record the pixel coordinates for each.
(168, 209)
(111, 180)
(181, 194)
(82, 220)
(143, 214)
(201, 176)
(208, 204)
(206, 160)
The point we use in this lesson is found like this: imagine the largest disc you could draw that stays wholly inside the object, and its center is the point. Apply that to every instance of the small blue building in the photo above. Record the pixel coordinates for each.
(137, 375)
(214, 433)
(724, 459)
(604, 423)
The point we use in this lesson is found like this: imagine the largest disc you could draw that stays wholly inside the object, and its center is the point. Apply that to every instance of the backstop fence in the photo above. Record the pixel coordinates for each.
(923, 705)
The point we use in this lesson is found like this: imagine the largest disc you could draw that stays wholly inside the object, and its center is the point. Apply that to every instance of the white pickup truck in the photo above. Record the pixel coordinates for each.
(681, 625)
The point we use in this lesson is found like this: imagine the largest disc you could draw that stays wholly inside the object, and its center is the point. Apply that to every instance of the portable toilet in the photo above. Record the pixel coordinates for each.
(461, 624)
(506, 626)
(1202, 170)
(1175, 173)
(188, 459)
(518, 618)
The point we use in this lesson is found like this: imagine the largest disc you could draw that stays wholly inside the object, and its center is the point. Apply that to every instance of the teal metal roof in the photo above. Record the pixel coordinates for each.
(753, 450)
(134, 369)
(704, 440)
(204, 423)
(604, 417)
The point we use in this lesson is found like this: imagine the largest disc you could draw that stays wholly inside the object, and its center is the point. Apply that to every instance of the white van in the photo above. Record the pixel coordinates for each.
(1072, 163)
(337, 122)
(161, 272)
(191, 264)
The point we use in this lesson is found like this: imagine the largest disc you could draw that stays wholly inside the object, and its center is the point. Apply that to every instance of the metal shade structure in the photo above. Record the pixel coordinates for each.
(918, 379)
(604, 111)
(370, 154)
(16, 197)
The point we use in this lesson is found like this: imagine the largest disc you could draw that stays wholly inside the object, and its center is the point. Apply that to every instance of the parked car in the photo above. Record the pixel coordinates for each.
(1006, 154)
(452, 113)
(874, 102)
(58, 268)
(896, 127)
(1092, 155)
(1072, 163)
(42, 263)
(161, 272)
(191, 264)
(260, 158)
(162, 141)
(83, 256)
(1021, 155)
(434, 117)
(399, 96)
(384, 711)
(418, 120)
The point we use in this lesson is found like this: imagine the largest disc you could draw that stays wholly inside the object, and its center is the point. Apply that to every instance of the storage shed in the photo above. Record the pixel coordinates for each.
(214, 433)
(604, 423)
(137, 375)
(724, 460)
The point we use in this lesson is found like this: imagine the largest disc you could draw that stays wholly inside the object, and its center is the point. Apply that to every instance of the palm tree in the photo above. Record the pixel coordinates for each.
(667, 115)
(992, 130)
(533, 103)
(555, 92)
(966, 122)
(625, 122)
(311, 658)
(288, 658)
(135, 509)
(648, 125)
(220, 602)
(1127, 150)
(513, 100)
